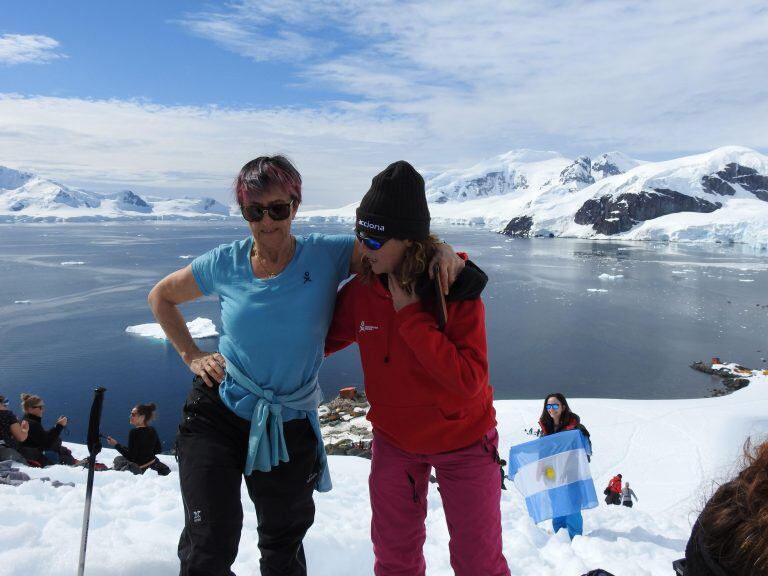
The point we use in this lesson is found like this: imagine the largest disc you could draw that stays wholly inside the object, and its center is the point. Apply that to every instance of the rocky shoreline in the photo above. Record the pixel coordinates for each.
(732, 376)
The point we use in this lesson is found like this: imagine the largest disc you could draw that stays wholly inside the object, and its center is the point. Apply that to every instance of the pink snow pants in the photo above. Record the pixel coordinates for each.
(469, 482)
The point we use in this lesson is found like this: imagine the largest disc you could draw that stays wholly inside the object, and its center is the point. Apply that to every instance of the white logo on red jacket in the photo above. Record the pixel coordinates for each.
(367, 328)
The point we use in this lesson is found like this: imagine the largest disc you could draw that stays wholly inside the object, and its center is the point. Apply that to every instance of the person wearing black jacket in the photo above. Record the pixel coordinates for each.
(729, 538)
(43, 446)
(143, 444)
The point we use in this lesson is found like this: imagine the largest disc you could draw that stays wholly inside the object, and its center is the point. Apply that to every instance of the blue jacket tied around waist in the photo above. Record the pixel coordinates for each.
(266, 442)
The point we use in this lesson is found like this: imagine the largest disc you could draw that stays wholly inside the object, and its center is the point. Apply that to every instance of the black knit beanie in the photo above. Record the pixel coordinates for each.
(396, 205)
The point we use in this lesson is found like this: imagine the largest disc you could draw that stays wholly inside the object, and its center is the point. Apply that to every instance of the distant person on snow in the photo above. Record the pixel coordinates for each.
(627, 494)
(43, 446)
(12, 433)
(614, 491)
(143, 444)
(556, 416)
(431, 404)
(730, 536)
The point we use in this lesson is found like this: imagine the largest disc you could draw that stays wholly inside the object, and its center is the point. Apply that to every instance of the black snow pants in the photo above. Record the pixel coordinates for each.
(211, 447)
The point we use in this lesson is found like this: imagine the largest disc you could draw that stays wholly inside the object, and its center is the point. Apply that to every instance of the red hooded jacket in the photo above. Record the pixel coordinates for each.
(428, 389)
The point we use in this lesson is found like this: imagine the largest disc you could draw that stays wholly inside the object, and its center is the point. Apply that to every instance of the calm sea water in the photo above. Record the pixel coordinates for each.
(553, 324)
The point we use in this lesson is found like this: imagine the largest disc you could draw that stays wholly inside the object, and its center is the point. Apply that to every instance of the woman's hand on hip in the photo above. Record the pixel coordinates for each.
(209, 366)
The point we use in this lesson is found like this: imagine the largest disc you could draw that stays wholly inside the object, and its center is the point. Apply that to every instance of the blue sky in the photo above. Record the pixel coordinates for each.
(172, 97)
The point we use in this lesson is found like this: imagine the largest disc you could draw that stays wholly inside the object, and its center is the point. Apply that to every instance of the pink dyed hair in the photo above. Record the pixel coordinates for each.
(266, 173)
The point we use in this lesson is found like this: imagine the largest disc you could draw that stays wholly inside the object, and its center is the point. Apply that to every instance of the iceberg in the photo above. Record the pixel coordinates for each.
(199, 328)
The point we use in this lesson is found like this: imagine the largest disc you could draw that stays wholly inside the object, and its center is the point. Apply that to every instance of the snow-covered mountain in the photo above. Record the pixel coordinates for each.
(720, 196)
(25, 197)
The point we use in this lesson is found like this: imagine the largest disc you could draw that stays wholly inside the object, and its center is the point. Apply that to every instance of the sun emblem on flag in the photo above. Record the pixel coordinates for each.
(549, 473)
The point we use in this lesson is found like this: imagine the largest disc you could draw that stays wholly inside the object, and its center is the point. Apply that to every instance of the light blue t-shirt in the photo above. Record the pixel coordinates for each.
(274, 329)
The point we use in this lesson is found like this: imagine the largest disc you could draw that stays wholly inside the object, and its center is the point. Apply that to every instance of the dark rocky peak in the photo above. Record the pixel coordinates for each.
(605, 167)
(733, 173)
(580, 172)
(132, 199)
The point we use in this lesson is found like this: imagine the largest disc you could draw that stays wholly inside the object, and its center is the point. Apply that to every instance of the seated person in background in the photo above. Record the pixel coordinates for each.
(43, 446)
(12, 432)
(143, 444)
(730, 535)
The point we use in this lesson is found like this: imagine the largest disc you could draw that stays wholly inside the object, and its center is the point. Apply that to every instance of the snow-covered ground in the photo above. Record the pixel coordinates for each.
(671, 451)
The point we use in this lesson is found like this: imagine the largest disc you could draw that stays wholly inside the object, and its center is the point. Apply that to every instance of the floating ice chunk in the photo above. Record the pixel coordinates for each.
(596, 290)
(198, 328)
(22, 301)
(186, 256)
(746, 280)
(611, 277)
(72, 263)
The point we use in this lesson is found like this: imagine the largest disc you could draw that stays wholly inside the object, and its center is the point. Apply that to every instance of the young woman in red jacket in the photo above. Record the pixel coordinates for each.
(431, 404)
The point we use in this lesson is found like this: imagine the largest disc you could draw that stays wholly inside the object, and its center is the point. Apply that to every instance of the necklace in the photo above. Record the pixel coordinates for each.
(272, 272)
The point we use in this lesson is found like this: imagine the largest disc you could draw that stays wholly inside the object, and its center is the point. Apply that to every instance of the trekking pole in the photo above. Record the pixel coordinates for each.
(94, 447)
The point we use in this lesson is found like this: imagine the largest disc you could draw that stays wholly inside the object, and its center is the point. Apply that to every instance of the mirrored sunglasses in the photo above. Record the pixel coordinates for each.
(553, 406)
(370, 242)
(277, 211)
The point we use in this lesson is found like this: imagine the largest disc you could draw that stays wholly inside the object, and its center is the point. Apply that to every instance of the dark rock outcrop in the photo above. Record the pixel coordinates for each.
(610, 215)
(131, 199)
(733, 173)
(519, 227)
(731, 380)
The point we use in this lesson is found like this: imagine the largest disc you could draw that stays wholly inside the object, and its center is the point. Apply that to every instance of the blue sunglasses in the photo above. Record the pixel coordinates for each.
(370, 242)
(552, 406)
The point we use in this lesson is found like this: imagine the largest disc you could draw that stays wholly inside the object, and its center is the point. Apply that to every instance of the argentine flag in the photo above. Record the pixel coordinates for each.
(552, 473)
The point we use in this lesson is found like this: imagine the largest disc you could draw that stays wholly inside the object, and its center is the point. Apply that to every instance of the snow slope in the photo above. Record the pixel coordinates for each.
(719, 196)
(25, 197)
(670, 451)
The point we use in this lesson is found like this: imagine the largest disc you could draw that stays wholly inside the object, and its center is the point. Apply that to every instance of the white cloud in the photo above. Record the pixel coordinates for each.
(656, 77)
(112, 144)
(27, 49)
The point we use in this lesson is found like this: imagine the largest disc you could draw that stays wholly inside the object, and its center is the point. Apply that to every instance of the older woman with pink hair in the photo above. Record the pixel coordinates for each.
(252, 411)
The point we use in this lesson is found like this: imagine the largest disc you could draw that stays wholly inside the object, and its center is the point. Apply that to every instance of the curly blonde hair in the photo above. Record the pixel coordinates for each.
(414, 263)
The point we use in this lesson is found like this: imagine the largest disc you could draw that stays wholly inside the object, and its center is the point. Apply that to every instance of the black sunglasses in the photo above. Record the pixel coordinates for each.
(370, 242)
(255, 212)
